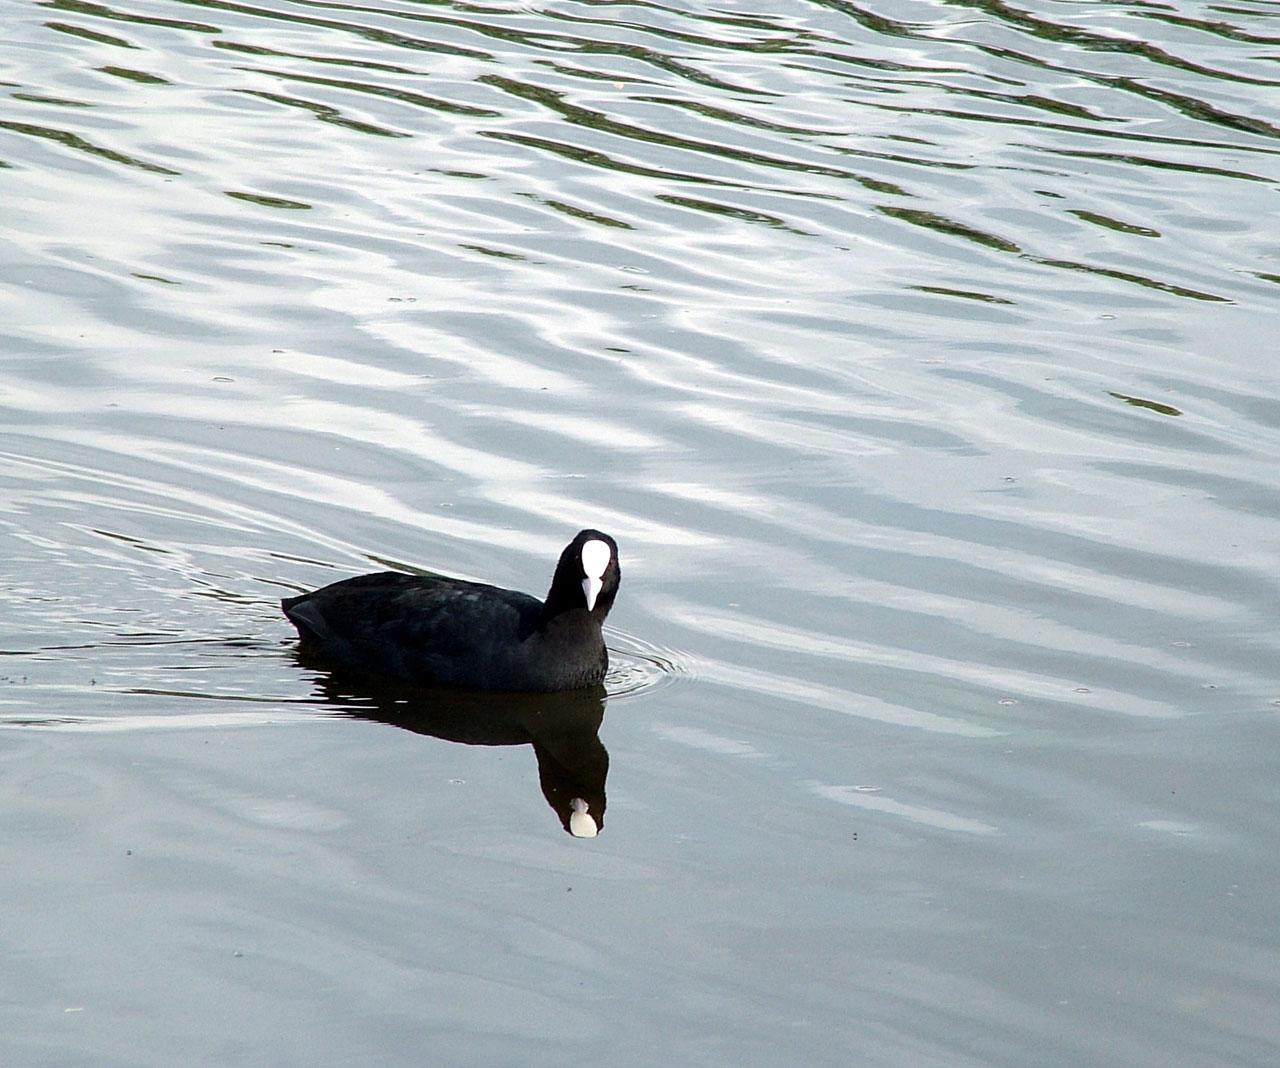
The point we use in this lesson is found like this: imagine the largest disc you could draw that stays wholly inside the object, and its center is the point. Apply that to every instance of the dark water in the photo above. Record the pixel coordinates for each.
(922, 359)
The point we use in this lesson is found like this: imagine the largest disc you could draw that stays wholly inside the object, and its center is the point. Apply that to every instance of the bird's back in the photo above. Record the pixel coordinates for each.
(423, 628)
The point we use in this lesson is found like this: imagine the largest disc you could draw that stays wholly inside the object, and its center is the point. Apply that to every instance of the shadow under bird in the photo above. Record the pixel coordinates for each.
(438, 631)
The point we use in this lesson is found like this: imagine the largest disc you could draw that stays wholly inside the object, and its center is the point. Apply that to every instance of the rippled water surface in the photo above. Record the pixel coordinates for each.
(922, 358)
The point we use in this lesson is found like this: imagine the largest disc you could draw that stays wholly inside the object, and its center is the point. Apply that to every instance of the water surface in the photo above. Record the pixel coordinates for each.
(921, 358)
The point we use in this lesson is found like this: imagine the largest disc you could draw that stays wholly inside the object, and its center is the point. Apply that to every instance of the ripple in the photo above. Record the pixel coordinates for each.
(640, 667)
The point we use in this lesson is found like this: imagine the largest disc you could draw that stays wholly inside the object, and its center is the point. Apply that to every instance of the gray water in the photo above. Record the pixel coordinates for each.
(922, 358)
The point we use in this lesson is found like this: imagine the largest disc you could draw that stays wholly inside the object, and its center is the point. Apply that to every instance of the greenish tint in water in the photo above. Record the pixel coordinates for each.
(1150, 405)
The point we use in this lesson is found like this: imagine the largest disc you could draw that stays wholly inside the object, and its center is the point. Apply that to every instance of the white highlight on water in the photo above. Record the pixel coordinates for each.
(930, 817)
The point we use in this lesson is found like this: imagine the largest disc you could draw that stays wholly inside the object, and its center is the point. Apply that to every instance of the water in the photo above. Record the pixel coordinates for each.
(921, 358)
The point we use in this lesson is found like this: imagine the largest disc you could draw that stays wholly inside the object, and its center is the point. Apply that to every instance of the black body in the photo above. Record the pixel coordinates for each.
(433, 630)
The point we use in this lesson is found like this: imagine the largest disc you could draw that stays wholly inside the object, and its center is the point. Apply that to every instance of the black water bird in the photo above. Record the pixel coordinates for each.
(433, 630)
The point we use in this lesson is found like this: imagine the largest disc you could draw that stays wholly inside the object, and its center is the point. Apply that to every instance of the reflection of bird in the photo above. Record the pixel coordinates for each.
(449, 632)
(563, 729)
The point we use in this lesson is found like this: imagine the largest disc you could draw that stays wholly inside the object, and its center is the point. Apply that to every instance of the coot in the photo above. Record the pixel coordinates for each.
(448, 632)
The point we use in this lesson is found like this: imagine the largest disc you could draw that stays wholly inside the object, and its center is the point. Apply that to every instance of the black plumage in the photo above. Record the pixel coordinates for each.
(441, 631)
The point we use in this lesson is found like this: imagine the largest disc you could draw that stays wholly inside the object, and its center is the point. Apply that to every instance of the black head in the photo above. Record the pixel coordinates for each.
(587, 575)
